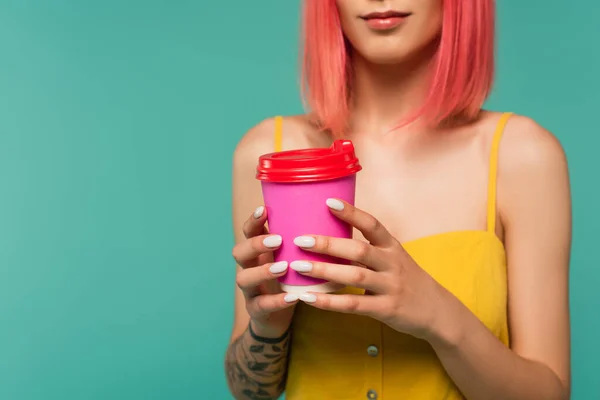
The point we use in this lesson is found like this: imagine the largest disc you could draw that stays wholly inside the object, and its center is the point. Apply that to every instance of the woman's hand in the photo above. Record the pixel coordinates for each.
(269, 309)
(398, 292)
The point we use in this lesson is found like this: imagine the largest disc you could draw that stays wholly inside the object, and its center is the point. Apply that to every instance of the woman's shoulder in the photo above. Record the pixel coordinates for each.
(532, 171)
(526, 144)
(298, 131)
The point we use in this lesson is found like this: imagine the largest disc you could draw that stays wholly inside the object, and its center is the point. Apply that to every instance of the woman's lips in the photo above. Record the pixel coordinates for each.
(385, 20)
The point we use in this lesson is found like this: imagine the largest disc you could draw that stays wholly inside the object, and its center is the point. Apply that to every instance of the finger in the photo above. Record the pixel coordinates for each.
(248, 279)
(347, 249)
(348, 275)
(248, 250)
(270, 303)
(370, 226)
(344, 303)
(255, 224)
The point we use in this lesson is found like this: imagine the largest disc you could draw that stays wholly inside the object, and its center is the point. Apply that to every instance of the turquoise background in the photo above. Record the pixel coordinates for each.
(117, 124)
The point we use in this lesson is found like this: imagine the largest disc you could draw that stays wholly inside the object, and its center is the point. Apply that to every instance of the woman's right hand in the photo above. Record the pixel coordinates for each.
(269, 308)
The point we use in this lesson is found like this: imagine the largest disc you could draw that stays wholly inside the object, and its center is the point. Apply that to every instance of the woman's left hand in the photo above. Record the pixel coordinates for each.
(399, 293)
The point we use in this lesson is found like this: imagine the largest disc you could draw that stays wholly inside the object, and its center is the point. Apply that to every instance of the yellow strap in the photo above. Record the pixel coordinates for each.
(278, 133)
(491, 211)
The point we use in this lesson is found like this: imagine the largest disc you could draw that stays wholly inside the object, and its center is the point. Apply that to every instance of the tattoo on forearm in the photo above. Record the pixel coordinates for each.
(257, 367)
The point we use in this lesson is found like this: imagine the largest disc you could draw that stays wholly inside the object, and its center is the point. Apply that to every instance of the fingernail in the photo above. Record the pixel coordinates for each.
(278, 267)
(304, 241)
(308, 297)
(335, 204)
(259, 212)
(290, 298)
(301, 266)
(273, 241)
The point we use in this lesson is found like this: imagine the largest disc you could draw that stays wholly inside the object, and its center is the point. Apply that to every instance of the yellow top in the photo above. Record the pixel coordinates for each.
(345, 356)
(278, 133)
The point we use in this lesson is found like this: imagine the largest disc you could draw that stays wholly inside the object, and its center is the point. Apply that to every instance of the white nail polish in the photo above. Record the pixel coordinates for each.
(301, 266)
(304, 241)
(335, 204)
(273, 241)
(308, 297)
(278, 267)
(259, 212)
(290, 298)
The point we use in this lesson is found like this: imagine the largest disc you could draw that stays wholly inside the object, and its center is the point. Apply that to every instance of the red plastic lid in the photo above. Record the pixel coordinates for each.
(309, 165)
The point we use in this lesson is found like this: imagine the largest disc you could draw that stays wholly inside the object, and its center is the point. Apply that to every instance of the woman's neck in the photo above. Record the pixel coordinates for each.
(382, 95)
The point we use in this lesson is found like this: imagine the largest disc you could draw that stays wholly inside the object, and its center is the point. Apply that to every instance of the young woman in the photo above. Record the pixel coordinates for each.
(462, 217)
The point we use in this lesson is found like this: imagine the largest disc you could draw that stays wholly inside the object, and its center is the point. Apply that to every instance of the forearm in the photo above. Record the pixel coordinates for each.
(257, 367)
(484, 368)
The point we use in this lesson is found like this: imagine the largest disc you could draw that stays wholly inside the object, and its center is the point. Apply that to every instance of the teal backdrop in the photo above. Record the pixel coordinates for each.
(117, 124)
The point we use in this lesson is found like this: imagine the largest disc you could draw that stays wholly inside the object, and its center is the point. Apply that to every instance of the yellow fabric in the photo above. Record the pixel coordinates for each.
(329, 357)
(491, 212)
(278, 133)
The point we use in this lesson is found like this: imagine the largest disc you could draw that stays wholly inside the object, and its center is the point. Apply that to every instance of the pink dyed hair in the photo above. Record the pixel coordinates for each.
(463, 70)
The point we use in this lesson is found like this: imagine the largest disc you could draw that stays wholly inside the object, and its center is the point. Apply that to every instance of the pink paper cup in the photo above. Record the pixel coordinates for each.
(296, 185)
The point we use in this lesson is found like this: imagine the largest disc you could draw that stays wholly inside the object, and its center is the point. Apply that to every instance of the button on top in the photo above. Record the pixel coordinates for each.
(372, 395)
(373, 351)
